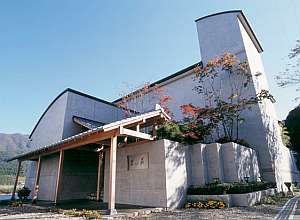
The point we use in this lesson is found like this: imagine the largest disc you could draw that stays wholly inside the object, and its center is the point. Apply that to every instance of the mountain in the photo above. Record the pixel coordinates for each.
(10, 146)
(13, 143)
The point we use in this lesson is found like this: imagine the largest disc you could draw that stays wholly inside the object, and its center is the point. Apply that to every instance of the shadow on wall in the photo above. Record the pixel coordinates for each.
(284, 165)
(244, 168)
(177, 168)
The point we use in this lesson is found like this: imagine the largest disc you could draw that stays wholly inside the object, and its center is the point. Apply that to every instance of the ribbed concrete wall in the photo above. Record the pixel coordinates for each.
(228, 162)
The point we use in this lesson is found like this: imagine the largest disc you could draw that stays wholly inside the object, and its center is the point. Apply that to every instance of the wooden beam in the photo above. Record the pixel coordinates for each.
(88, 139)
(112, 177)
(16, 180)
(36, 182)
(99, 175)
(125, 131)
(58, 175)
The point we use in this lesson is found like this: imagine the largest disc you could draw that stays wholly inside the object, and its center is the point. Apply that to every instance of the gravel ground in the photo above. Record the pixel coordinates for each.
(29, 212)
(256, 212)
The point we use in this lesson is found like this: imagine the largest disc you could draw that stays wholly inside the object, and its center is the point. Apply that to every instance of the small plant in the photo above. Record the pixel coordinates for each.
(16, 204)
(210, 204)
(23, 193)
(87, 214)
(278, 198)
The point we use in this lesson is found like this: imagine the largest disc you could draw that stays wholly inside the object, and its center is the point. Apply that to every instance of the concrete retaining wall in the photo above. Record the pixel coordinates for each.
(249, 199)
(229, 162)
(139, 186)
(172, 167)
(162, 184)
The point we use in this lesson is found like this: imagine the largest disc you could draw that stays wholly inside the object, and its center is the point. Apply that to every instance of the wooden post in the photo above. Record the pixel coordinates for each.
(99, 174)
(36, 182)
(112, 176)
(58, 175)
(154, 131)
(138, 130)
(16, 180)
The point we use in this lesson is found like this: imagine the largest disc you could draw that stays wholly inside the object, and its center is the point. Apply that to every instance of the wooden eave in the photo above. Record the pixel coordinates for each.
(119, 128)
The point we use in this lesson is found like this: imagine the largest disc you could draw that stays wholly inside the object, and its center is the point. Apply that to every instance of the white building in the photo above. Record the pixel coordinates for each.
(75, 120)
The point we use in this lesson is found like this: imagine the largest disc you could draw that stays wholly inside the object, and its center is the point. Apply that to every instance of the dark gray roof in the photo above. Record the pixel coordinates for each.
(87, 123)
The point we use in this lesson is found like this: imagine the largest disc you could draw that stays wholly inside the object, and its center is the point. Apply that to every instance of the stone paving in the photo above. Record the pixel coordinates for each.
(288, 210)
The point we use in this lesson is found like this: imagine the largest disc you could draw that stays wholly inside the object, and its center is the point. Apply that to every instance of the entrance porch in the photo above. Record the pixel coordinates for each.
(73, 168)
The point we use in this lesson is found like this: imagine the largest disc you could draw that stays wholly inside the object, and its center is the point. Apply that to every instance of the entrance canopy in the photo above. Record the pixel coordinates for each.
(127, 127)
(140, 127)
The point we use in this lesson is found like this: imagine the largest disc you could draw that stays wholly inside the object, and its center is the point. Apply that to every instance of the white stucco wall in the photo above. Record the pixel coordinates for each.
(57, 123)
(49, 130)
(228, 32)
(88, 108)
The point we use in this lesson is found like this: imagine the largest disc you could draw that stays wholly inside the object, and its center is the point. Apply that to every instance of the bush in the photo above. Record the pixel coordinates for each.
(170, 131)
(230, 188)
(23, 193)
(87, 214)
(210, 204)
(183, 132)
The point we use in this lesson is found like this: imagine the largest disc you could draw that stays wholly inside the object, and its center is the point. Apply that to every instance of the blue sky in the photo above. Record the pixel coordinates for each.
(100, 46)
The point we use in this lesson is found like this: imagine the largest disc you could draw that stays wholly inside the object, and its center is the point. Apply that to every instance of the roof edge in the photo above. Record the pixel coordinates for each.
(167, 78)
(244, 22)
(219, 13)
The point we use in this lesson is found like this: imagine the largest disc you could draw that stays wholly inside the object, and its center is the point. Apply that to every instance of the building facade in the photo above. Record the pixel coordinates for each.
(157, 173)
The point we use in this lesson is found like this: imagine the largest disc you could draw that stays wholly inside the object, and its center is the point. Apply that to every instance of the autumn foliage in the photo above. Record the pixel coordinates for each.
(223, 83)
(144, 98)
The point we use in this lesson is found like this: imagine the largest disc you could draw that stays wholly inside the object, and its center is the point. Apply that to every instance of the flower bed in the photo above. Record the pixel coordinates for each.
(230, 188)
(210, 204)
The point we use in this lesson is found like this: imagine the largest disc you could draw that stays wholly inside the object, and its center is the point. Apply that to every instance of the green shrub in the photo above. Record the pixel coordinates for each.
(229, 188)
(224, 140)
(23, 193)
(183, 132)
(171, 131)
